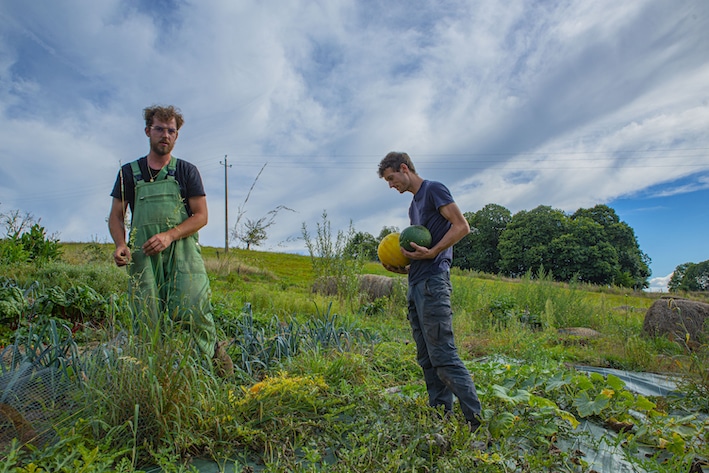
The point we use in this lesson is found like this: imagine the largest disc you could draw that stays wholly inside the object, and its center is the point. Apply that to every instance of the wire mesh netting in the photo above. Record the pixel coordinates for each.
(33, 401)
(39, 389)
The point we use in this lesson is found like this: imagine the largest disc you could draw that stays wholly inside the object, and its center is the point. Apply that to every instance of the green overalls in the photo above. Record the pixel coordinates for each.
(174, 281)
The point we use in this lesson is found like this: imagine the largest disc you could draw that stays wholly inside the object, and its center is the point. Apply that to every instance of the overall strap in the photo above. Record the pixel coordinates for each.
(137, 175)
(172, 167)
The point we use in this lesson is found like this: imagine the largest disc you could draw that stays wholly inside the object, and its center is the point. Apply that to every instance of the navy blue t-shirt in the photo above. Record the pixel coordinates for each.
(424, 210)
(186, 174)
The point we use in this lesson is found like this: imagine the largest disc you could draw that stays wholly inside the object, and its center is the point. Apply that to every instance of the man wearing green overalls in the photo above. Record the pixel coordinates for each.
(168, 206)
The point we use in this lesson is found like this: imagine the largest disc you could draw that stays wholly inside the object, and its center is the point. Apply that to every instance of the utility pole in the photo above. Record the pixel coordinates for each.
(226, 205)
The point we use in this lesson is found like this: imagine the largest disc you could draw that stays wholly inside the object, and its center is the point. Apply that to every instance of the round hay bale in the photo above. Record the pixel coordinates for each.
(678, 319)
(326, 285)
(374, 286)
(579, 332)
(371, 286)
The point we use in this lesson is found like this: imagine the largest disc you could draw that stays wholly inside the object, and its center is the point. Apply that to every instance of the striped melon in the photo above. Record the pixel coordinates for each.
(415, 234)
(389, 251)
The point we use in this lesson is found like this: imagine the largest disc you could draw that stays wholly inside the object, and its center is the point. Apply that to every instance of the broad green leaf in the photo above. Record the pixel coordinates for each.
(586, 406)
(597, 377)
(615, 382)
(537, 401)
(583, 382)
(559, 380)
(569, 417)
(644, 404)
(500, 423)
(502, 393)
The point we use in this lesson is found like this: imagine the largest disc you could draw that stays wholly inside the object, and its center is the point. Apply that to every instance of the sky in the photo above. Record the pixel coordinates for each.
(292, 104)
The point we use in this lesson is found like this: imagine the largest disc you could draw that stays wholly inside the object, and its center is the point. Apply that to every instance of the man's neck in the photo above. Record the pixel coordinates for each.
(156, 161)
(416, 182)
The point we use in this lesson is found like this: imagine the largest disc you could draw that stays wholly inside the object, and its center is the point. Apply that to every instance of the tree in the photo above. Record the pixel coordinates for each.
(677, 276)
(592, 245)
(583, 253)
(385, 231)
(633, 266)
(362, 245)
(690, 277)
(479, 249)
(253, 232)
(524, 244)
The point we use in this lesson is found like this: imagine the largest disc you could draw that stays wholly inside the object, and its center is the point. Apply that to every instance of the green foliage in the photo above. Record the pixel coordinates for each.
(12, 303)
(338, 390)
(76, 304)
(523, 244)
(33, 245)
(258, 347)
(479, 250)
(20, 307)
(40, 247)
(45, 343)
(590, 246)
(12, 252)
(362, 246)
(105, 278)
(329, 258)
(690, 277)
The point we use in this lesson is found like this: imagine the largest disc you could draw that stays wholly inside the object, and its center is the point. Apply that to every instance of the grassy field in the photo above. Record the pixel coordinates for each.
(330, 383)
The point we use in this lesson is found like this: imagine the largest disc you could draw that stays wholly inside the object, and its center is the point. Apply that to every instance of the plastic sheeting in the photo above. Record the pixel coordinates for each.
(647, 384)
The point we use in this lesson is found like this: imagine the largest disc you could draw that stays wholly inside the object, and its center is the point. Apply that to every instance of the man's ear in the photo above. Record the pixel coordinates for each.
(403, 167)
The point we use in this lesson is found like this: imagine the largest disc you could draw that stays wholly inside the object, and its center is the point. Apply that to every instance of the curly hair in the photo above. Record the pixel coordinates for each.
(163, 113)
(394, 160)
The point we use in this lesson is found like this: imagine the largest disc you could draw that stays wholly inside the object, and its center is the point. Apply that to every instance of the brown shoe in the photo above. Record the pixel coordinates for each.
(223, 365)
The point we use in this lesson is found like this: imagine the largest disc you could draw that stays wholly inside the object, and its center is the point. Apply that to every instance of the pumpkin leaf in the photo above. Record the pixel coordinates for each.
(615, 382)
(559, 380)
(502, 393)
(587, 406)
(501, 423)
(644, 404)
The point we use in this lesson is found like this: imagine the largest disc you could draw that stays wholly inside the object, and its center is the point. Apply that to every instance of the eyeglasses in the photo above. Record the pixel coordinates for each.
(162, 129)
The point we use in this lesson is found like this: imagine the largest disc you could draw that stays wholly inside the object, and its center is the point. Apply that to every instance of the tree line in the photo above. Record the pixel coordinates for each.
(590, 245)
(690, 277)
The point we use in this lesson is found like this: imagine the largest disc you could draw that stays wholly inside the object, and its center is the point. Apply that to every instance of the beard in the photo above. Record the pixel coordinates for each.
(161, 148)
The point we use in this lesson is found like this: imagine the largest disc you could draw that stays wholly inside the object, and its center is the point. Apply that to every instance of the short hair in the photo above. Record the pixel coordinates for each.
(163, 113)
(394, 160)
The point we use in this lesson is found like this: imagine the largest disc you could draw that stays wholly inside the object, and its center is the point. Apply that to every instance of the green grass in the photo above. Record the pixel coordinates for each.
(324, 384)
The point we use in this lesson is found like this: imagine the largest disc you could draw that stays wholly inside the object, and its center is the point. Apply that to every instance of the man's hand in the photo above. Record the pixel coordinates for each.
(396, 269)
(157, 243)
(420, 252)
(121, 256)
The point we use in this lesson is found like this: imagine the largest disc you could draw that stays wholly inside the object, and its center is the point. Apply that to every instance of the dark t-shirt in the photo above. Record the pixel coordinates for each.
(424, 210)
(186, 174)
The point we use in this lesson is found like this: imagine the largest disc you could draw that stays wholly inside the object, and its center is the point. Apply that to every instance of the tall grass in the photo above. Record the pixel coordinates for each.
(330, 260)
(332, 385)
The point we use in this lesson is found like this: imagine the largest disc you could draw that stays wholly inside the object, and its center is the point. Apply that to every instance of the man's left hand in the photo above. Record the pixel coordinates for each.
(420, 252)
(156, 244)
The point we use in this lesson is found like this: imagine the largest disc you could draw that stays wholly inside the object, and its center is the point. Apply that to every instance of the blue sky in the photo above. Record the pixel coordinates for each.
(567, 104)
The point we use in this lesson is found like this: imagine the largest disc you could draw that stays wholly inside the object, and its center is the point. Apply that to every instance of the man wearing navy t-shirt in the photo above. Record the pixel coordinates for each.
(429, 305)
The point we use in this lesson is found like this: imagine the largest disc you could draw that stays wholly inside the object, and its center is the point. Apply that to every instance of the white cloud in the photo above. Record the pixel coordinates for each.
(659, 284)
(520, 104)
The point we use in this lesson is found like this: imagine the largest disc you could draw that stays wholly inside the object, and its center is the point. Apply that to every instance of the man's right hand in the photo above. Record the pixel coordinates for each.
(396, 269)
(121, 256)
